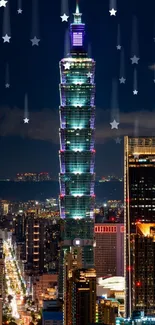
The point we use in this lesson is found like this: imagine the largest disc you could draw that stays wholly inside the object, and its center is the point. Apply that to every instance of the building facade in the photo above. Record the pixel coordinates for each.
(139, 200)
(109, 249)
(42, 244)
(81, 291)
(143, 280)
(77, 153)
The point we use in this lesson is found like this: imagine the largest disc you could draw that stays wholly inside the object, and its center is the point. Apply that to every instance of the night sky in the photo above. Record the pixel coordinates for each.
(35, 71)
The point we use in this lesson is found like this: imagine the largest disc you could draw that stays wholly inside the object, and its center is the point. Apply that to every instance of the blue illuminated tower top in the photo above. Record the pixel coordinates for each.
(77, 31)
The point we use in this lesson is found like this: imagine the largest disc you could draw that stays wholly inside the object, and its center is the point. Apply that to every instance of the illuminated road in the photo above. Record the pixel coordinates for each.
(13, 281)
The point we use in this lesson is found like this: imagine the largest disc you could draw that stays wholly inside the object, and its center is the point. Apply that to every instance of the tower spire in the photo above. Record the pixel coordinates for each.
(77, 7)
(77, 15)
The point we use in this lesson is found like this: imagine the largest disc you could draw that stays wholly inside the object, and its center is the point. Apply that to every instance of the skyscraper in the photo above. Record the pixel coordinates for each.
(77, 153)
(139, 200)
(109, 249)
(143, 280)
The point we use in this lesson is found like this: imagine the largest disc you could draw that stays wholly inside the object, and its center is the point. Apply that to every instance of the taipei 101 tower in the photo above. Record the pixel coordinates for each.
(77, 153)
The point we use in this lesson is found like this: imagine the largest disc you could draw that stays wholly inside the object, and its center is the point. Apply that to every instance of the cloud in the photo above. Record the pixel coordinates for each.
(44, 125)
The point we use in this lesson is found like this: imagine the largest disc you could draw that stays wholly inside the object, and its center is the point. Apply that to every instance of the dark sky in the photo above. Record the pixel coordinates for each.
(35, 71)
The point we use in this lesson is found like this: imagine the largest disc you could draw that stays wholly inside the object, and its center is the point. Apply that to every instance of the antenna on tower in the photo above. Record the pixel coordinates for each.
(77, 7)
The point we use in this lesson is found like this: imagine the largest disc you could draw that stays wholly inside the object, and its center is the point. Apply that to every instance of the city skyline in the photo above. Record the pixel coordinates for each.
(41, 135)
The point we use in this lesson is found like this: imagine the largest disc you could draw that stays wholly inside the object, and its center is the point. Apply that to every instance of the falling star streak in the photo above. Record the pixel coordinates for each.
(35, 39)
(112, 7)
(66, 43)
(64, 8)
(118, 46)
(135, 84)
(6, 25)
(19, 8)
(26, 113)
(134, 40)
(122, 78)
(114, 103)
(7, 77)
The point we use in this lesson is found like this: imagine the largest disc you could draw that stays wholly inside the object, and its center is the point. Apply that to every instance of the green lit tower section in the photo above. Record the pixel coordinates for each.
(77, 153)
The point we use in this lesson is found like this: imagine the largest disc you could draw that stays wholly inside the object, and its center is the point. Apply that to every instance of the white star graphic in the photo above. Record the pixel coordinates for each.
(6, 38)
(118, 140)
(122, 80)
(35, 41)
(134, 59)
(19, 11)
(119, 47)
(135, 92)
(112, 12)
(64, 17)
(7, 85)
(136, 156)
(114, 124)
(89, 74)
(67, 65)
(3, 3)
(154, 80)
(26, 120)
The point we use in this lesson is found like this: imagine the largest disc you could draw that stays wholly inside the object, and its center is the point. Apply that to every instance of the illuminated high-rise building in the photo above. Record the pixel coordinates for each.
(77, 153)
(143, 279)
(139, 201)
(81, 289)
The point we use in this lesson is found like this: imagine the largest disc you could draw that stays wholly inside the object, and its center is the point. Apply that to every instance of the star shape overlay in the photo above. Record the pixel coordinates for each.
(118, 140)
(89, 74)
(136, 156)
(122, 80)
(3, 3)
(6, 38)
(26, 120)
(67, 65)
(112, 12)
(7, 85)
(135, 92)
(19, 11)
(118, 47)
(35, 41)
(64, 18)
(134, 59)
(114, 124)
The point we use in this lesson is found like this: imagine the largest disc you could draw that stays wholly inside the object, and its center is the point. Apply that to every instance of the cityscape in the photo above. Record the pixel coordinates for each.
(78, 247)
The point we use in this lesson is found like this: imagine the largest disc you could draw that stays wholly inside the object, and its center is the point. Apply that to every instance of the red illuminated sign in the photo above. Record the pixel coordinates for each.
(106, 229)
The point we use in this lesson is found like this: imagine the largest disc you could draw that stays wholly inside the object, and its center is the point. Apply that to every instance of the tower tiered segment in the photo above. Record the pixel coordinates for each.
(77, 153)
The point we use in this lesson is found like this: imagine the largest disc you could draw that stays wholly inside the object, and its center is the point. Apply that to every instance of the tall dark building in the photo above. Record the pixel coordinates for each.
(77, 153)
(81, 289)
(143, 280)
(139, 199)
(42, 244)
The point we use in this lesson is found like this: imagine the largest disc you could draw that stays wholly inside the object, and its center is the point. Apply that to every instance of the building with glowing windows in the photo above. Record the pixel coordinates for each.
(139, 207)
(77, 153)
(143, 279)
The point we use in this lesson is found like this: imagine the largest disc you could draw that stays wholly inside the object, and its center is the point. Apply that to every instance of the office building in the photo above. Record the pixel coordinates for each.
(109, 249)
(106, 310)
(42, 244)
(81, 297)
(139, 199)
(77, 153)
(143, 279)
